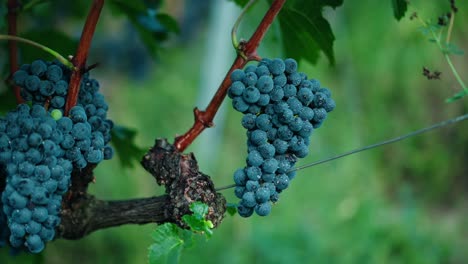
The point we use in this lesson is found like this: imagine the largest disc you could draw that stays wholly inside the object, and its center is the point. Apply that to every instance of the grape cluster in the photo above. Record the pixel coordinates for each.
(88, 133)
(281, 109)
(39, 149)
(37, 172)
(4, 231)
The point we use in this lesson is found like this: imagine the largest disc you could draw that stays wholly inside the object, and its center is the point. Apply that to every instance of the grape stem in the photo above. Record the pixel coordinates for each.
(235, 41)
(13, 6)
(79, 60)
(382, 143)
(247, 52)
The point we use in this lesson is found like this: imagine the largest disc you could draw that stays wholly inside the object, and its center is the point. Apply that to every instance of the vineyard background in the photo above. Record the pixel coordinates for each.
(404, 203)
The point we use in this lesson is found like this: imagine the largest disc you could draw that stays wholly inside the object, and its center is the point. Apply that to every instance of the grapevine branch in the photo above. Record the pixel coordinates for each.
(79, 60)
(184, 183)
(247, 52)
(91, 214)
(13, 7)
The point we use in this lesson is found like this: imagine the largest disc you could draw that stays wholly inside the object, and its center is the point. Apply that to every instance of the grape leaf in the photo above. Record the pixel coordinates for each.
(231, 209)
(123, 140)
(167, 244)
(196, 221)
(399, 8)
(199, 209)
(152, 26)
(305, 32)
(169, 239)
(240, 3)
(7, 101)
(59, 41)
(168, 22)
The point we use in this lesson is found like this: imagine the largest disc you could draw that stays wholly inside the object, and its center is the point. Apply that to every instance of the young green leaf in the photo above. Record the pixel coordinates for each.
(196, 221)
(231, 209)
(199, 209)
(167, 244)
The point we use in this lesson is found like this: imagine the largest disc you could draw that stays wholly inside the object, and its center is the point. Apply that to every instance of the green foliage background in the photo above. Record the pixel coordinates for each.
(404, 203)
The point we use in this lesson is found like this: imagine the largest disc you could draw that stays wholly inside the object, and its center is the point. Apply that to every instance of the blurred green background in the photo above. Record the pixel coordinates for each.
(403, 203)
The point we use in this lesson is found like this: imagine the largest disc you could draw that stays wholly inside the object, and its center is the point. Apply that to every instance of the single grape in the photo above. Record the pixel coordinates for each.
(253, 173)
(264, 84)
(237, 75)
(237, 88)
(276, 66)
(248, 199)
(250, 79)
(263, 209)
(262, 194)
(290, 65)
(240, 178)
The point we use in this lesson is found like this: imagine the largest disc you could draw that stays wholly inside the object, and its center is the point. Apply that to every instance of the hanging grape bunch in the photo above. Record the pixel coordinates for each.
(39, 149)
(281, 109)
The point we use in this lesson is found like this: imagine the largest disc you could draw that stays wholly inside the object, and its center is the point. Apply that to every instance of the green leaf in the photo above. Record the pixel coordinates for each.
(231, 209)
(167, 244)
(451, 48)
(7, 101)
(399, 8)
(123, 140)
(240, 3)
(199, 209)
(152, 27)
(305, 32)
(457, 96)
(54, 39)
(168, 22)
(196, 221)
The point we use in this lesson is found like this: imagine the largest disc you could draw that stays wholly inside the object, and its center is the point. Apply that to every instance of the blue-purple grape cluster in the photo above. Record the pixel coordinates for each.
(4, 231)
(281, 109)
(37, 175)
(39, 149)
(47, 83)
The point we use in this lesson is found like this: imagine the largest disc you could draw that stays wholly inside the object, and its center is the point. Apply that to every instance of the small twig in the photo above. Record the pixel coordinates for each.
(52, 52)
(13, 7)
(225, 187)
(79, 60)
(235, 41)
(446, 55)
(204, 119)
(449, 32)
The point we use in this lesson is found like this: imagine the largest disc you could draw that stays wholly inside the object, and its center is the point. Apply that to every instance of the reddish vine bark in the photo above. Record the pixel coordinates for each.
(79, 60)
(204, 119)
(13, 7)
